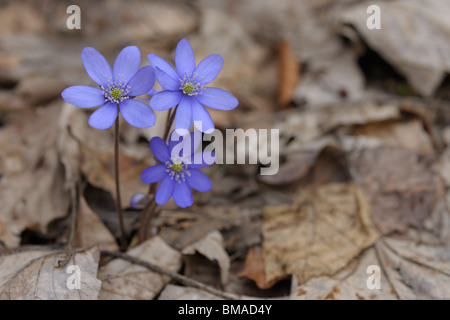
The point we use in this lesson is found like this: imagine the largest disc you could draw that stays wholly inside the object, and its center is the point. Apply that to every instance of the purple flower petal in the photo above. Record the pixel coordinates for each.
(96, 66)
(162, 64)
(165, 190)
(209, 68)
(182, 195)
(202, 119)
(160, 149)
(183, 117)
(165, 99)
(201, 160)
(142, 81)
(154, 173)
(184, 58)
(137, 113)
(199, 181)
(217, 99)
(84, 96)
(127, 64)
(166, 81)
(152, 92)
(104, 117)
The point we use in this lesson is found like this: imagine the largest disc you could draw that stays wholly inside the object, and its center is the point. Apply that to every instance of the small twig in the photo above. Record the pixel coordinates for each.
(178, 277)
(123, 238)
(26, 248)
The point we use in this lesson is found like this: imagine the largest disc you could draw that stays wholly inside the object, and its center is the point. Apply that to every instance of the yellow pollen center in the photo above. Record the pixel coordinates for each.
(177, 166)
(188, 88)
(116, 93)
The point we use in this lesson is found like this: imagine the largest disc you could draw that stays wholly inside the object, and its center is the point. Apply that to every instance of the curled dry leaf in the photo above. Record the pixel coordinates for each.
(254, 268)
(413, 38)
(319, 234)
(402, 191)
(124, 280)
(211, 246)
(37, 275)
(32, 188)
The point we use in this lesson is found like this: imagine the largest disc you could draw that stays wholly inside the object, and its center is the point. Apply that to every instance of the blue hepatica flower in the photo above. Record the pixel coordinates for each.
(178, 171)
(117, 88)
(185, 87)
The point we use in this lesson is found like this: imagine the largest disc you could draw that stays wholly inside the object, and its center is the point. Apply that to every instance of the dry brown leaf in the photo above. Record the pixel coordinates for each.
(332, 80)
(412, 38)
(428, 116)
(36, 275)
(36, 90)
(292, 170)
(32, 189)
(26, 18)
(332, 74)
(122, 279)
(303, 131)
(211, 246)
(319, 234)
(350, 115)
(91, 230)
(409, 135)
(288, 74)
(408, 270)
(416, 271)
(442, 166)
(348, 284)
(254, 268)
(182, 228)
(439, 221)
(402, 191)
(173, 292)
